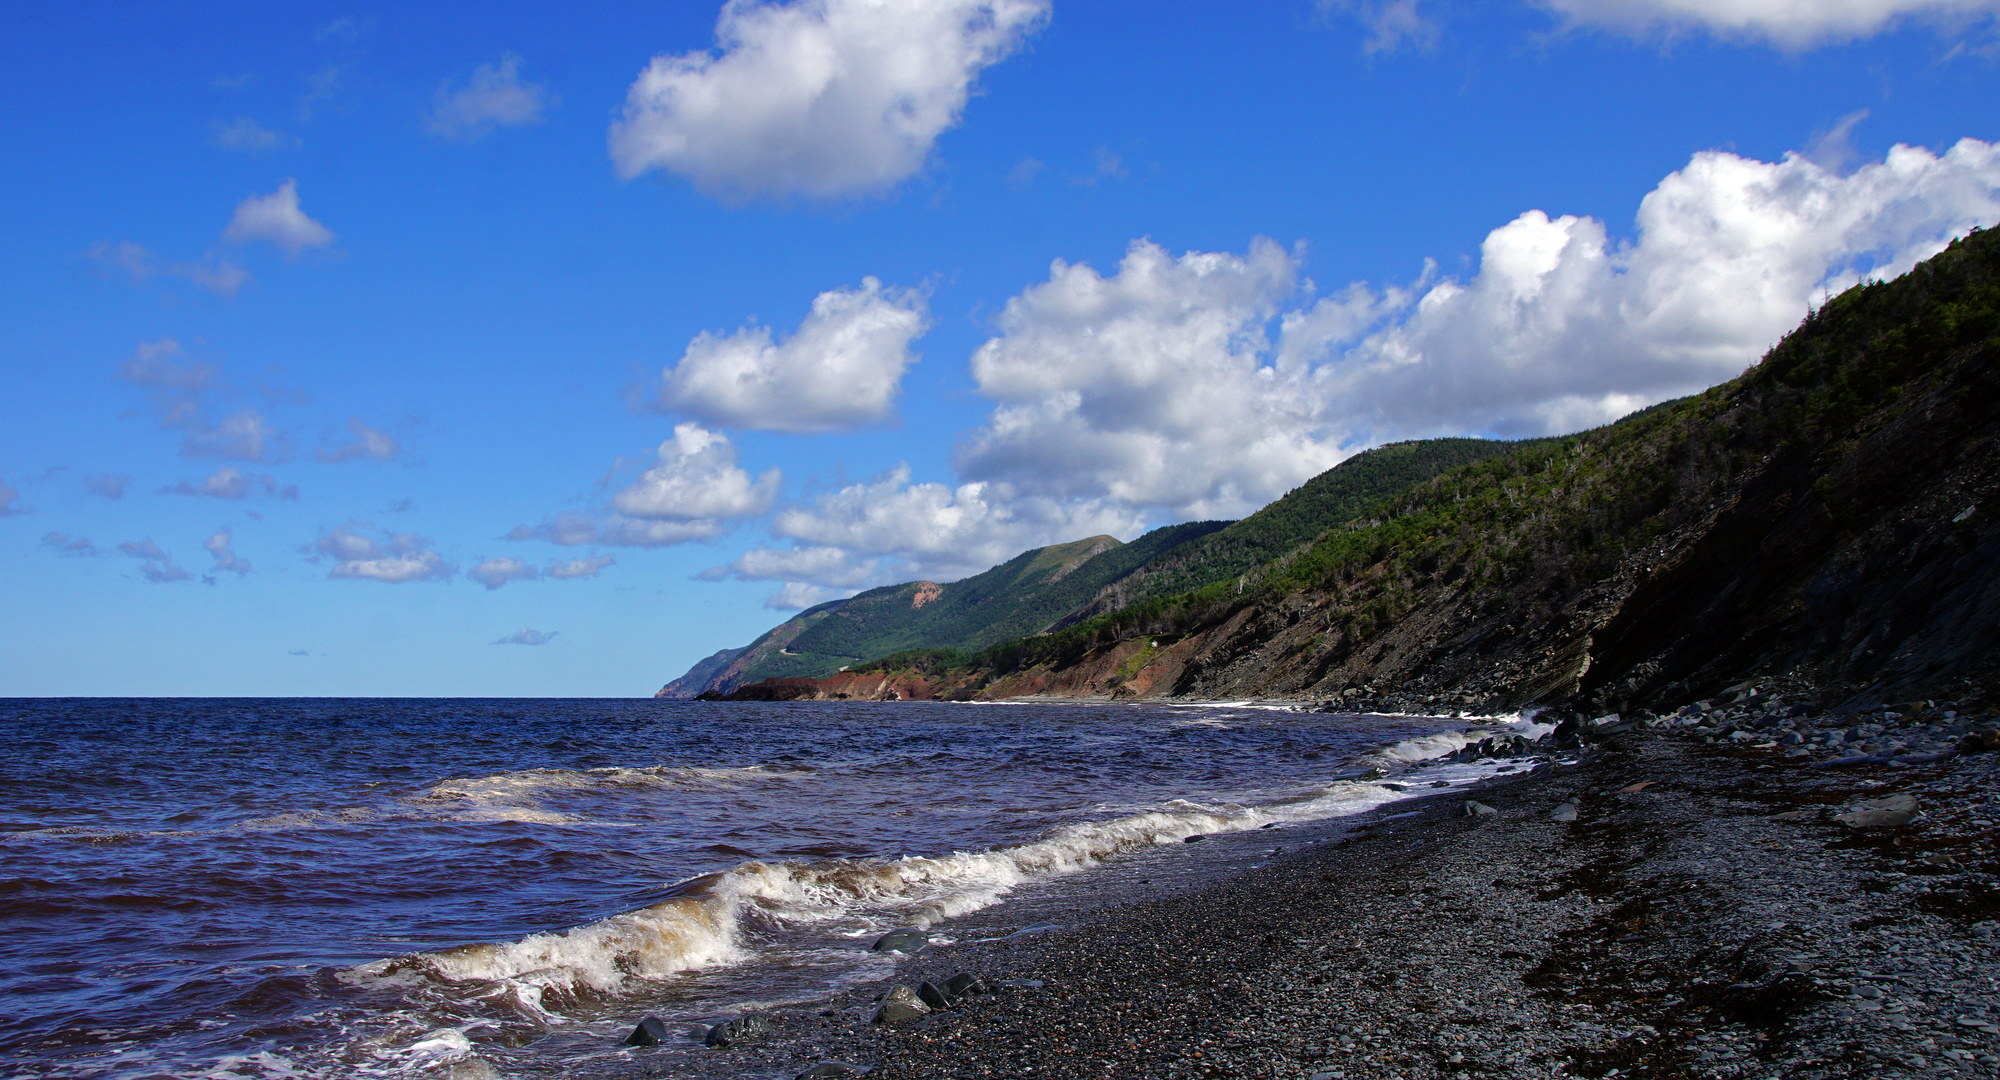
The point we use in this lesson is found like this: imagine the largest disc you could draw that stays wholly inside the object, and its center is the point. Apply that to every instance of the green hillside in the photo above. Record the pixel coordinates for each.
(1738, 527)
(1333, 499)
(1019, 597)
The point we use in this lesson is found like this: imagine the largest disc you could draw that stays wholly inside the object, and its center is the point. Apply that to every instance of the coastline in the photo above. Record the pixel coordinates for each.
(1715, 922)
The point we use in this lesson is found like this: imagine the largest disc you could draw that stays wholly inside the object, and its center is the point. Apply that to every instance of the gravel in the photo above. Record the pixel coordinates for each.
(1704, 914)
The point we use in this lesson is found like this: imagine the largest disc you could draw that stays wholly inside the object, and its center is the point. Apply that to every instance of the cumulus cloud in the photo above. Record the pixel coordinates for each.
(108, 485)
(840, 369)
(494, 573)
(824, 98)
(156, 565)
(1785, 23)
(696, 479)
(219, 276)
(229, 482)
(1562, 328)
(694, 491)
(494, 97)
(184, 395)
(1391, 24)
(226, 559)
(161, 365)
(73, 546)
(798, 596)
(248, 135)
(578, 568)
(526, 636)
(890, 529)
(1151, 387)
(364, 443)
(363, 552)
(276, 219)
(1208, 384)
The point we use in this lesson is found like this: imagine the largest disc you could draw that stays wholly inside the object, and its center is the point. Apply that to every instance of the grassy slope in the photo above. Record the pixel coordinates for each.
(1330, 500)
(1019, 597)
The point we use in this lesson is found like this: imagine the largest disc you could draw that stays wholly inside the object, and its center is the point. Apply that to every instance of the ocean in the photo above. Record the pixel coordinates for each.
(311, 888)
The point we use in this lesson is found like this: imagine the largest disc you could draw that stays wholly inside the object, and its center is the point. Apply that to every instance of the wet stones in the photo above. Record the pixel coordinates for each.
(827, 1070)
(652, 1031)
(735, 1030)
(966, 984)
(1473, 808)
(1564, 812)
(900, 1006)
(909, 941)
(933, 995)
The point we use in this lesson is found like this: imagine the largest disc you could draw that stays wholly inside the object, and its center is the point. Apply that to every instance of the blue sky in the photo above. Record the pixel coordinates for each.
(507, 351)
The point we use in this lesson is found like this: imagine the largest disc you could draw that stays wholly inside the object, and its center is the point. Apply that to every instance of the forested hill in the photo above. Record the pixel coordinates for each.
(1052, 587)
(1831, 517)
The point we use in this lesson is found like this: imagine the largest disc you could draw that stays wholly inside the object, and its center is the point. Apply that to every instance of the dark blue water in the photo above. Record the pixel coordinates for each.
(343, 887)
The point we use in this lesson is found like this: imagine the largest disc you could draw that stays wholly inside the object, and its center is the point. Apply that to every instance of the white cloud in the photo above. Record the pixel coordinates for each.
(366, 444)
(824, 98)
(108, 485)
(387, 557)
(696, 481)
(183, 391)
(1024, 172)
(494, 97)
(797, 596)
(277, 219)
(225, 558)
(1789, 24)
(219, 276)
(578, 568)
(892, 530)
(1561, 328)
(1160, 388)
(1391, 23)
(229, 482)
(613, 530)
(1150, 387)
(156, 565)
(73, 546)
(842, 368)
(241, 436)
(246, 134)
(156, 365)
(494, 573)
(527, 636)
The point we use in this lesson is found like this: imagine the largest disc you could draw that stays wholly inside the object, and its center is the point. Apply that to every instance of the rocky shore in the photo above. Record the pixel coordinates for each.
(1729, 891)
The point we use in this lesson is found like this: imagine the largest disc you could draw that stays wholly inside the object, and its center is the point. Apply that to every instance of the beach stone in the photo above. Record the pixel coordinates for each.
(1563, 812)
(965, 984)
(1980, 742)
(652, 1031)
(1475, 808)
(908, 940)
(1887, 813)
(901, 1005)
(933, 995)
(827, 1069)
(735, 1030)
(1195, 839)
(1032, 929)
